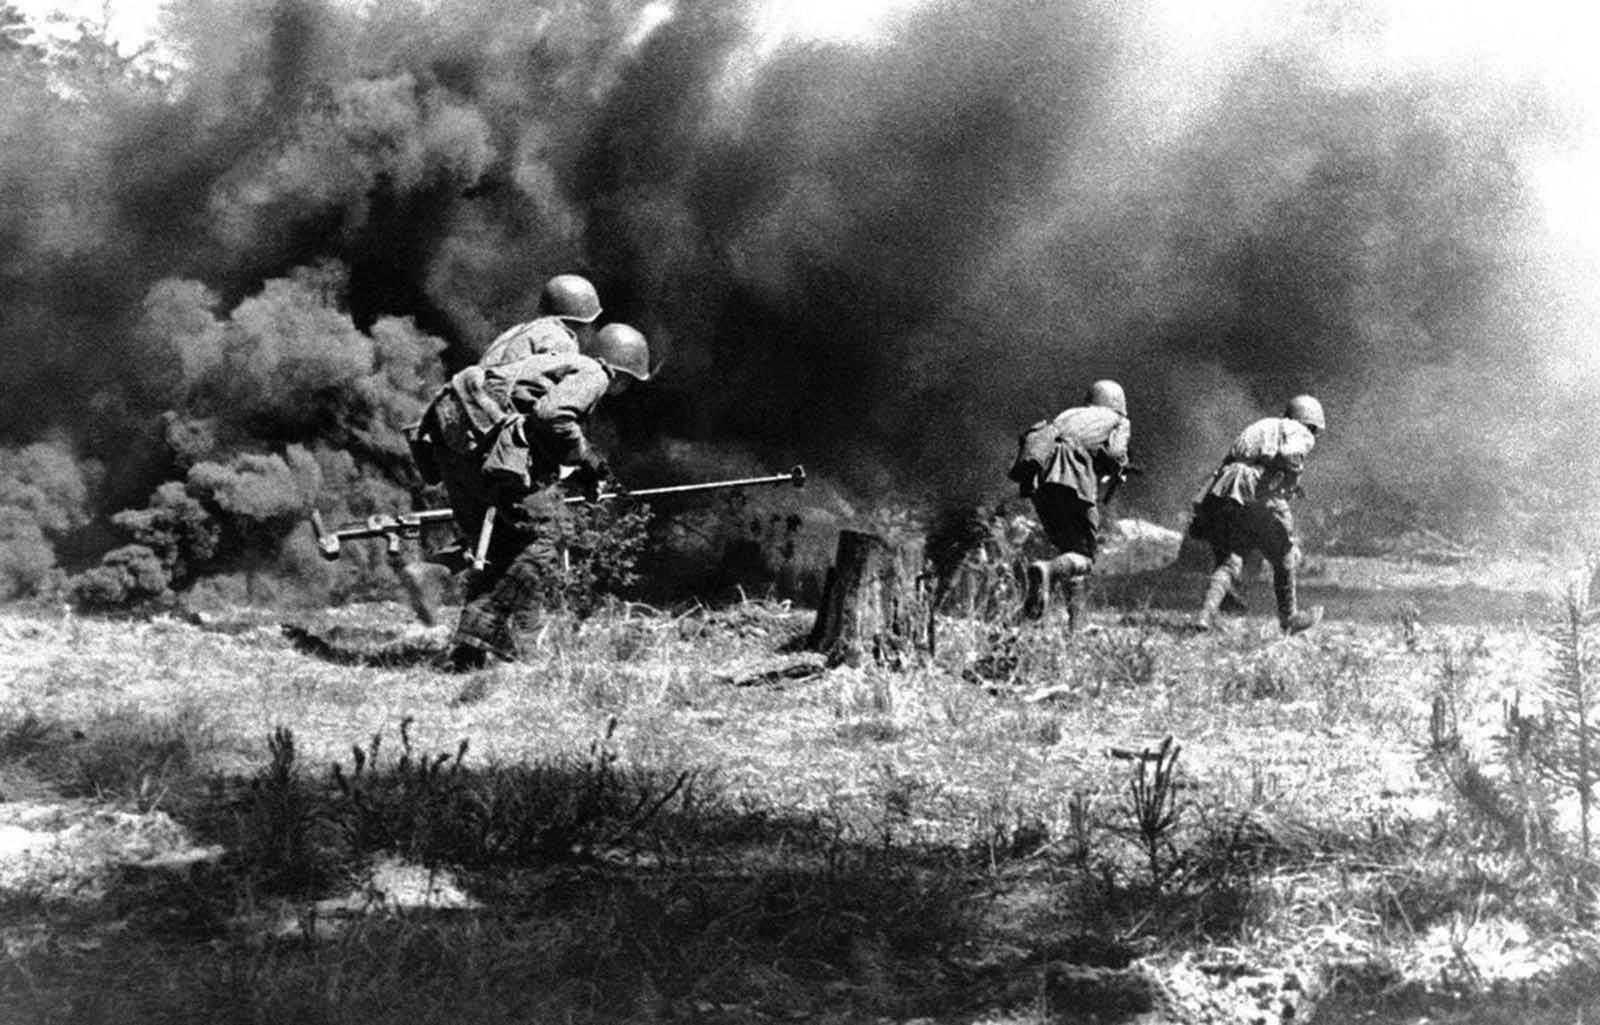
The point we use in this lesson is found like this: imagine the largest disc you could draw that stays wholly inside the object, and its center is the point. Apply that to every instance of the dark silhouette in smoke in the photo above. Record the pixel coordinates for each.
(882, 259)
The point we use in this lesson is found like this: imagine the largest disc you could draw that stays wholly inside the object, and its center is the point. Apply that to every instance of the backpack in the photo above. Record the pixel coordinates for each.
(1036, 446)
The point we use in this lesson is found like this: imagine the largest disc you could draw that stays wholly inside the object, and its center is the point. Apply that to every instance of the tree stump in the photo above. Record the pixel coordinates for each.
(873, 608)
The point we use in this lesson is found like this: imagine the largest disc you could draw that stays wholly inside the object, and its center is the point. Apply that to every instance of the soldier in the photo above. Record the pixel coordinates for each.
(1246, 507)
(568, 308)
(500, 438)
(1070, 466)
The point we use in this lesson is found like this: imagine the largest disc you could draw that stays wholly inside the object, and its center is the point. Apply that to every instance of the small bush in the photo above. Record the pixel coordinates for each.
(299, 834)
(600, 546)
(1129, 658)
(128, 755)
(28, 737)
(123, 754)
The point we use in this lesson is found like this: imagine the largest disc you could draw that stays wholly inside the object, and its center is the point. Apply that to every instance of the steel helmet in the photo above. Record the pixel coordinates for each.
(1107, 393)
(1307, 410)
(623, 349)
(570, 297)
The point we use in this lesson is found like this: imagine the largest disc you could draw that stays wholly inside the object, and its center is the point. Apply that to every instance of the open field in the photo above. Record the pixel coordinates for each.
(678, 816)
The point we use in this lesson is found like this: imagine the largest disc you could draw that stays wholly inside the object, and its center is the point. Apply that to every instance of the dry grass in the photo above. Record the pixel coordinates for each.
(703, 836)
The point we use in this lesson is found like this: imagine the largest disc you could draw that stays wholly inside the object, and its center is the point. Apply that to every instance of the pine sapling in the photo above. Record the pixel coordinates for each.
(1566, 755)
(1155, 809)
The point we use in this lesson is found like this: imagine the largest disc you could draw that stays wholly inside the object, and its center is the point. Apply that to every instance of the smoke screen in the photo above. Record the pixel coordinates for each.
(224, 290)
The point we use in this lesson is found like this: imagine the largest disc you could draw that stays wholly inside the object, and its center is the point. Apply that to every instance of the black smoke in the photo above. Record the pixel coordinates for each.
(231, 285)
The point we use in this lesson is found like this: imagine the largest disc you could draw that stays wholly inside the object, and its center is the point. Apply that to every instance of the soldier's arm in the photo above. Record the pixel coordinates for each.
(505, 348)
(559, 413)
(1117, 444)
(1295, 443)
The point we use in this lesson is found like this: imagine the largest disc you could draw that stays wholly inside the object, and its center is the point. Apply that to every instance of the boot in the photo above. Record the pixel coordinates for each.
(1300, 622)
(1077, 602)
(1290, 620)
(463, 658)
(1217, 590)
(1038, 594)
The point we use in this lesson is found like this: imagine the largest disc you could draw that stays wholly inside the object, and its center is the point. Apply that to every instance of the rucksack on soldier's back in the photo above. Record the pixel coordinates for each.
(1035, 448)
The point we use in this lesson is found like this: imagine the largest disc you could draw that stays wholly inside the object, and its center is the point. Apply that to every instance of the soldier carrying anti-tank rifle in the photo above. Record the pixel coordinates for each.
(1070, 466)
(1246, 507)
(500, 438)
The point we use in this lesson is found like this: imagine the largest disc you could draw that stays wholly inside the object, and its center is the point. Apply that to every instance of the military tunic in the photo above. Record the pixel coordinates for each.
(1092, 451)
(1246, 504)
(541, 336)
(499, 437)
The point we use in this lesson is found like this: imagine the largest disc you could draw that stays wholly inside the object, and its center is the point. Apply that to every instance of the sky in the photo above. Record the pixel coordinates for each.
(132, 24)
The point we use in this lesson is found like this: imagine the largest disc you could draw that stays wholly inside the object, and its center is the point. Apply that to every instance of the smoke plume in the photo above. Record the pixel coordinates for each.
(226, 287)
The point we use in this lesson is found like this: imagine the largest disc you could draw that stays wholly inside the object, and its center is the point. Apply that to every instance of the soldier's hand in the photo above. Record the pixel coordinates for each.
(590, 478)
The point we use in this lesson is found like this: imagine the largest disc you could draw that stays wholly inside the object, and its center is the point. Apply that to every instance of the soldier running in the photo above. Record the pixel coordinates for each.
(568, 308)
(1070, 466)
(1246, 507)
(500, 438)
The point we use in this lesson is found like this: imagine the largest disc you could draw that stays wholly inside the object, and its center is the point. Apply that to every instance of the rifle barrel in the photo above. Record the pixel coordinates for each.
(796, 476)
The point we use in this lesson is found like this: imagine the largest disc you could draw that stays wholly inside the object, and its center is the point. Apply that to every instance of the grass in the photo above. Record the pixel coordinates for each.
(646, 839)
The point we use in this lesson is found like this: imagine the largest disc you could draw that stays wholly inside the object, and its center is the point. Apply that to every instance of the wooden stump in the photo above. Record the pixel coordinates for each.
(872, 604)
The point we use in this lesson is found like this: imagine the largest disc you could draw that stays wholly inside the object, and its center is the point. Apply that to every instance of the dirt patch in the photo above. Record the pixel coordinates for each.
(75, 851)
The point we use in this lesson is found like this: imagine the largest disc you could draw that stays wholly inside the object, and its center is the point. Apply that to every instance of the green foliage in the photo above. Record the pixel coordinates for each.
(1541, 757)
(296, 834)
(26, 737)
(1153, 810)
(1128, 658)
(1565, 745)
(979, 555)
(600, 544)
(130, 755)
(283, 839)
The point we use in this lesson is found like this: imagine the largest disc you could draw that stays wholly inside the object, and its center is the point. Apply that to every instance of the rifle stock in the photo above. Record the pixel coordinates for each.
(392, 527)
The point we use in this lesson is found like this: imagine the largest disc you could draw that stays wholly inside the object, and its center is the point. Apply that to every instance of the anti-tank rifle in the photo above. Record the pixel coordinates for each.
(395, 527)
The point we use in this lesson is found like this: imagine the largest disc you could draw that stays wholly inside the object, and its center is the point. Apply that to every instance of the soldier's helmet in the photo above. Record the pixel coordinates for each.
(1107, 393)
(623, 349)
(1308, 411)
(570, 297)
